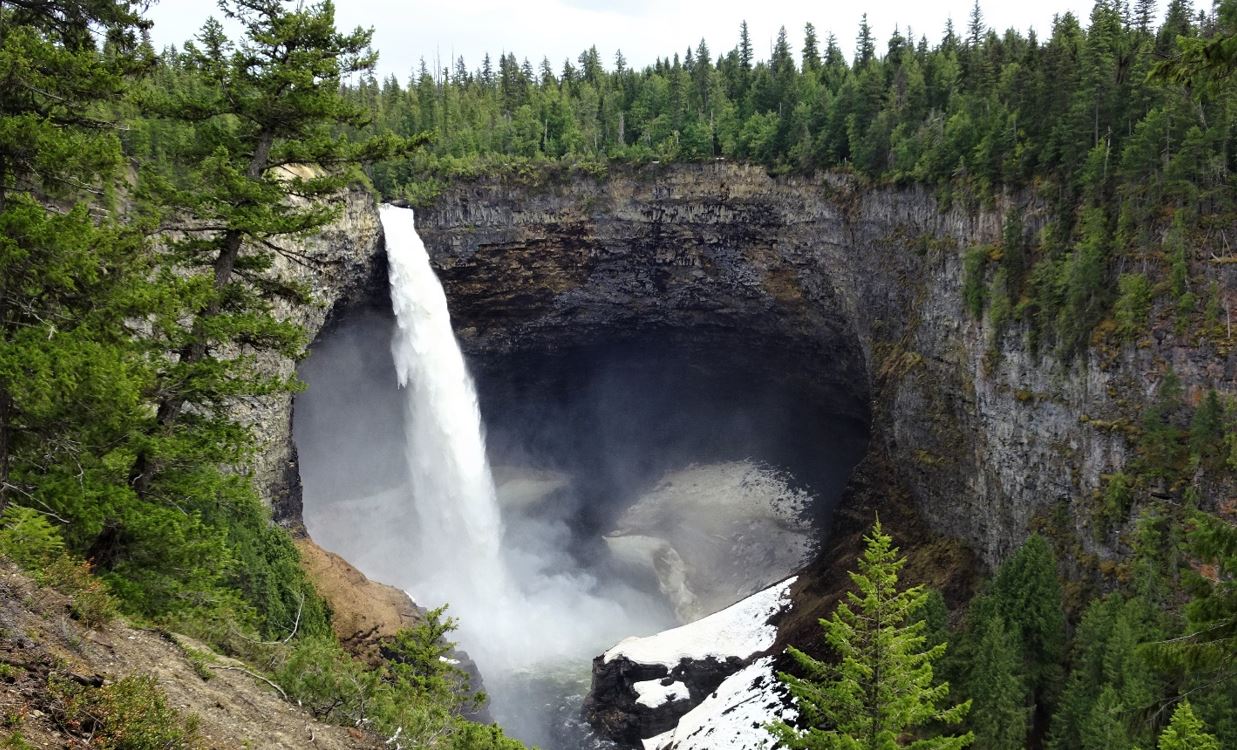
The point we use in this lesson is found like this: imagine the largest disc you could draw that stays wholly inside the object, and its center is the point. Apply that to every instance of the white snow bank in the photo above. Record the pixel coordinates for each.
(653, 693)
(741, 630)
(733, 717)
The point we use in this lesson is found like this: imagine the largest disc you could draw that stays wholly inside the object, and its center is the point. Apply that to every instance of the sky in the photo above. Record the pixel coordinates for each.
(405, 30)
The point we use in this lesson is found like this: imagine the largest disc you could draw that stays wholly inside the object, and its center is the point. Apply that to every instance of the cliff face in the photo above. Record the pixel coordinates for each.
(853, 293)
(857, 291)
(344, 267)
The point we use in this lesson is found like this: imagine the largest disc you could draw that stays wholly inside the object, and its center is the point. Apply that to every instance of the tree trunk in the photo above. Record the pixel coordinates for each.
(6, 408)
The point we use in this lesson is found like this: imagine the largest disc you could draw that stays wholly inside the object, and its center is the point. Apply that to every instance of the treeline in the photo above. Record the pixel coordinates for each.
(137, 305)
(1100, 127)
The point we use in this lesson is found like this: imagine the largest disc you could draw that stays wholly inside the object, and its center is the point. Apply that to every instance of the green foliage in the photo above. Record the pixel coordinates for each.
(1111, 686)
(1071, 116)
(129, 714)
(1000, 715)
(1162, 446)
(881, 689)
(1133, 305)
(28, 539)
(1210, 643)
(1207, 428)
(413, 693)
(1186, 732)
(1028, 593)
(974, 261)
(1117, 498)
(999, 308)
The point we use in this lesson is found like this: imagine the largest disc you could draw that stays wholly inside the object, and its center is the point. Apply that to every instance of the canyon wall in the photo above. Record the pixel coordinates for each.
(856, 291)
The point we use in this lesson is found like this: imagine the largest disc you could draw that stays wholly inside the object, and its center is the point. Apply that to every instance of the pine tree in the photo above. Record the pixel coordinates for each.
(1187, 732)
(811, 49)
(865, 43)
(881, 690)
(263, 117)
(1207, 430)
(999, 715)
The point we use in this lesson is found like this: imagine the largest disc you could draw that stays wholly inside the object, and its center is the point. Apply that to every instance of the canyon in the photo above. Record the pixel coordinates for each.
(843, 301)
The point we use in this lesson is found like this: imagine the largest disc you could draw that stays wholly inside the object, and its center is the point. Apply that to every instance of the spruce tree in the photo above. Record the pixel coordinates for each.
(1186, 732)
(1000, 717)
(1027, 592)
(880, 693)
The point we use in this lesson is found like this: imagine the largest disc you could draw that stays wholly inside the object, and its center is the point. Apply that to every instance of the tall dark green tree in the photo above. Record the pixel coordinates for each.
(1000, 714)
(59, 160)
(254, 158)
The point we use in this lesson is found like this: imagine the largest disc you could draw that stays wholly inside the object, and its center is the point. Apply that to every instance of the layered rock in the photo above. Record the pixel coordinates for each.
(855, 291)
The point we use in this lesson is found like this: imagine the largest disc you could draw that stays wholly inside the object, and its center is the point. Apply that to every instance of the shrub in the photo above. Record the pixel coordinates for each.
(1133, 305)
(130, 714)
(33, 543)
(28, 538)
(973, 262)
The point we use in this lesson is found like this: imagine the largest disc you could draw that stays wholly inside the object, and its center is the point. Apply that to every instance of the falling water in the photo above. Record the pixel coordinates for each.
(524, 607)
(456, 505)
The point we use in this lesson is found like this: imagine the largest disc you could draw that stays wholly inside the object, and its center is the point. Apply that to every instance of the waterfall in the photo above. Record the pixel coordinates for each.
(459, 528)
(524, 606)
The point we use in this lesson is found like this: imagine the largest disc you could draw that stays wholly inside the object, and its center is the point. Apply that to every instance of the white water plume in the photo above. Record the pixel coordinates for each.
(520, 601)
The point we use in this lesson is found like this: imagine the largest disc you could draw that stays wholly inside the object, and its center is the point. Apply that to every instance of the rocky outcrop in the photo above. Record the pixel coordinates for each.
(643, 686)
(364, 612)
(341, 266)
(848, 294)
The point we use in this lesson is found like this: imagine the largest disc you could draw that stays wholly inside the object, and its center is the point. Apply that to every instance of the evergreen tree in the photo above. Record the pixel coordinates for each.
(865, 43)
(999, 713)
(811, 50)
(1186, 732)
(67, 370)
(260, 110)
(745, 47)
(881, 690)
(1027, 592)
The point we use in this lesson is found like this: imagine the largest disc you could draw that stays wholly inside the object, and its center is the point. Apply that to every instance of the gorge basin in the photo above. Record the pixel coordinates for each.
(642, 479)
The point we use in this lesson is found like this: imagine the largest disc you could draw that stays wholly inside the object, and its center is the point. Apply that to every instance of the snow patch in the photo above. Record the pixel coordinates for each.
(741, 630)
(734, 716)
(653, 693)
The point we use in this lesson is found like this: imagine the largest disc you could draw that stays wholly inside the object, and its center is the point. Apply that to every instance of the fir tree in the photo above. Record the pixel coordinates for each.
(1186, 732)
(999, 715)
(811, 49)
(865, 43)
(881, 690)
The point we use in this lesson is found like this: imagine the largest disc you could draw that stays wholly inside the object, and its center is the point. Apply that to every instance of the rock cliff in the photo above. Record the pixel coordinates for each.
(857, 291)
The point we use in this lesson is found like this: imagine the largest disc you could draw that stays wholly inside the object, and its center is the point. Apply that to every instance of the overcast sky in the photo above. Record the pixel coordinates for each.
(406, 30)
